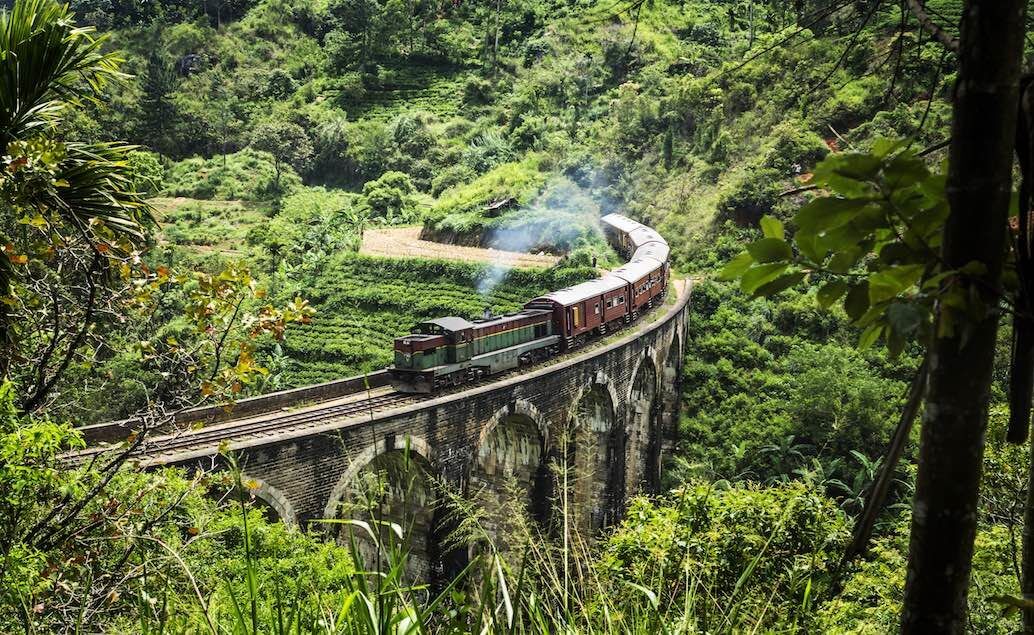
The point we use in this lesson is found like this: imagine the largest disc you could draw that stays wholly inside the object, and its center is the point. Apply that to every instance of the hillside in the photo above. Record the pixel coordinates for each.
(299, 156)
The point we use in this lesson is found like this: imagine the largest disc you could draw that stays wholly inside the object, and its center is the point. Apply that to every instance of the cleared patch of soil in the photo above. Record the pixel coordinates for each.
(405, 242)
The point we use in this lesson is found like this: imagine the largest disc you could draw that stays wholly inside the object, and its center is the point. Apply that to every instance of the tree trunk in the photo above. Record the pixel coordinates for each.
(944, 510)
(1027, 582)
(1021, 372)
(6, 316)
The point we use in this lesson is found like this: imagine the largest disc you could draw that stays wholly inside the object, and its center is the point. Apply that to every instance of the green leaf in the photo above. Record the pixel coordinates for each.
(761, 274)
(904, 318)
(830, 293)
(885, 145)
(843, 261)
(772, 227)
(870, 335)
(770, 250)
(848, 236)
(974, 268)
(826, 212)
(895, 253)
(807, 244)
(905, 170)
(895, 344)
(888, 283)
(736, 267)
(856, 303)
(779, 284)
(848, 173)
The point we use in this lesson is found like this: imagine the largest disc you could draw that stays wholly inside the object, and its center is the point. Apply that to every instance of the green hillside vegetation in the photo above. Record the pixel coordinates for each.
(274, 132)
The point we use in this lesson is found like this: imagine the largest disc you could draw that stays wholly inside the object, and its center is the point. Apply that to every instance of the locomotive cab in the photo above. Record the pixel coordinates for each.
(434, 343)
(419, 351)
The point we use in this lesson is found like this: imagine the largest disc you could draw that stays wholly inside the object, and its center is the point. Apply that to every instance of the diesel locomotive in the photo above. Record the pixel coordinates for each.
(450, 351)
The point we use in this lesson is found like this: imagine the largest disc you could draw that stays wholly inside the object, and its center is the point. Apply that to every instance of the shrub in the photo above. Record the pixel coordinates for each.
(752, 194)
(248, 175)
(486, 151)
(390, 198)
(794, 149)
(450, 177)
(477, 91)
(148, 173)
(461, 208)
(313, 223)
(739, 550)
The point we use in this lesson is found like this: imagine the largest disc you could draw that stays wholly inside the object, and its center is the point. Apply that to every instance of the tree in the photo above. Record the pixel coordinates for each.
(288, 144)
(353, 20)
(159, 112)
(934, 250)
(955, 418)
(72, 221)
(389, 198)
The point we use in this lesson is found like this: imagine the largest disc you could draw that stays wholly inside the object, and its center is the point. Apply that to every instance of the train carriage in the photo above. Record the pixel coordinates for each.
(618, 229)
(584, 308)
(642, 236)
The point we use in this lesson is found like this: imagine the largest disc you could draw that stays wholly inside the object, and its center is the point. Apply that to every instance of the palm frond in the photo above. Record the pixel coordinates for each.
(46, 64)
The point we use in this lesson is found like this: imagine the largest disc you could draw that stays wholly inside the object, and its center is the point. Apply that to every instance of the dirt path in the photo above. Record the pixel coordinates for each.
(405, 241)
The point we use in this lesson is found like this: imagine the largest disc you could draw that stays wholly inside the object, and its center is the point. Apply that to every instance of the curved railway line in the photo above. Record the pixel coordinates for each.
(158, 449)
(256, 426)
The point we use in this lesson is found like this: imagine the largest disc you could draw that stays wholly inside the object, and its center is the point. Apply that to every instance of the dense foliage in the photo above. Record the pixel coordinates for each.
(275, 132)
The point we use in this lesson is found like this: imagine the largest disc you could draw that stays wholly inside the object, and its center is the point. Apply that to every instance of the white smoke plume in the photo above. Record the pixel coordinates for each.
(555, 222)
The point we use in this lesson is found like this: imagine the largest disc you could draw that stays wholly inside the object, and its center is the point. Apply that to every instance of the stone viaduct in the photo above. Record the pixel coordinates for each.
(607, 413)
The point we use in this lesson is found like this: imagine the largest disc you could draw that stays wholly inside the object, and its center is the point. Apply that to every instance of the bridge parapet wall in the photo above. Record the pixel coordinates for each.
(116, 431)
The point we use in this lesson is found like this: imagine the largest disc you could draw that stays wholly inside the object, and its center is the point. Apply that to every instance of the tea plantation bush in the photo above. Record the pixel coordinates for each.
(364, 302)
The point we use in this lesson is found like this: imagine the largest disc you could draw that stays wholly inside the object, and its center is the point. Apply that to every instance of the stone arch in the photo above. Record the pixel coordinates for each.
(670, 394)
(415, 444)
(602, 380)
(515, 407)
(273, 498)
(678, 340)
(672, 361)
(509, 473)
(654, 360)
(390, 482)
(644, 427)
(594, 455)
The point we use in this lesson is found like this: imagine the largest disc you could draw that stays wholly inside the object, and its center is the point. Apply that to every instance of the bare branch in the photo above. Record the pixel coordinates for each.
(42, 391)
(925, 21)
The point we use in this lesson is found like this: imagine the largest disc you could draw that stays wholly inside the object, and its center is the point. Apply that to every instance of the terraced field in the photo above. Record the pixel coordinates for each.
(364, 302)
(429, 89)
(207, 226)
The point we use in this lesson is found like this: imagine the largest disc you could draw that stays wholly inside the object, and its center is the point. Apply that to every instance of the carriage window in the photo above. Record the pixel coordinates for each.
(540, 330)
(597, 308)
(621, 299)
(577, 316)
(430, 351)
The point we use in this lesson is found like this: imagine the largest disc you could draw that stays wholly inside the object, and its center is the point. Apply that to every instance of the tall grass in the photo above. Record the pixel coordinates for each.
(532, 580)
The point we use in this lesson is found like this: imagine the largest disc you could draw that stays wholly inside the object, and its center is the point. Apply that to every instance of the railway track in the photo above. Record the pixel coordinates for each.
(156, 448)
(255, 427)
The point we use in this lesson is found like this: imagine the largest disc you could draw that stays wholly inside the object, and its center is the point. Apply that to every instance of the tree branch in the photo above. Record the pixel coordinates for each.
(878, 493)
(42, 391)
(939, 34)
(222, 339)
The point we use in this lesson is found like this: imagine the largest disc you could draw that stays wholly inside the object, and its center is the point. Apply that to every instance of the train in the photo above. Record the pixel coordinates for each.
(452, 351)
